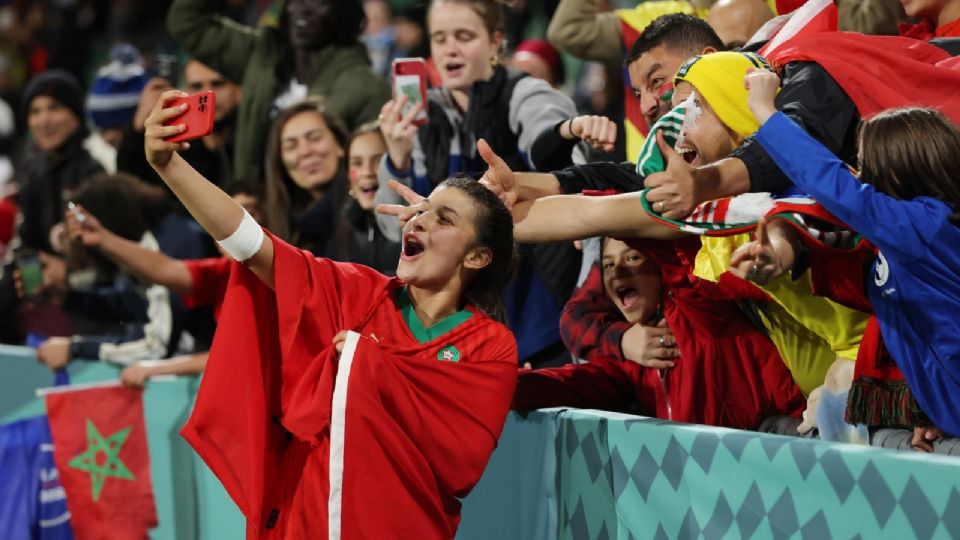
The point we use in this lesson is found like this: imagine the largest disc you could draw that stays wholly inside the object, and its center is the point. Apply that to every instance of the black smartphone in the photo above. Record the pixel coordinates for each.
(166, 66)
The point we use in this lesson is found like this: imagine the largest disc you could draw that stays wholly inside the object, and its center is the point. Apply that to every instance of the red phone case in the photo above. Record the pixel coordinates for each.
(198, 117)
(415, 67)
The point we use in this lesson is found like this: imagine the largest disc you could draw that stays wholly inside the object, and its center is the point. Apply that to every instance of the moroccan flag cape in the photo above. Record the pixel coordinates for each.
(100, 449)
(378, 442)
(880, 72)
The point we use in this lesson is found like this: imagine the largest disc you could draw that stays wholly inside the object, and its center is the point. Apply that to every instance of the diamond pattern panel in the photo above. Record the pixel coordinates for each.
(666, 480)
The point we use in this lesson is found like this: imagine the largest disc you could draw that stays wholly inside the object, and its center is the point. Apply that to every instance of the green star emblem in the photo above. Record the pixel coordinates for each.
(109, 465)
(449, 354)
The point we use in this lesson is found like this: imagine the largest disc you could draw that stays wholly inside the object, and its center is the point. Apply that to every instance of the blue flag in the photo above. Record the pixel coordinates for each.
(33, 505)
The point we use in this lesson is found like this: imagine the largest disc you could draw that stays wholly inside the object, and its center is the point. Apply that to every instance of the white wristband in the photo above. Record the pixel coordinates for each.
(245, 242)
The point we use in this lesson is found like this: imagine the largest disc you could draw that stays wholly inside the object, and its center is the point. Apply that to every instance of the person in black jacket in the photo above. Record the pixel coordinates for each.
(53, 163)
(368, 245)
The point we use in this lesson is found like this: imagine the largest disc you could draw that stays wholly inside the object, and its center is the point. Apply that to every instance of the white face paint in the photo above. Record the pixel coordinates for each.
(692, 113)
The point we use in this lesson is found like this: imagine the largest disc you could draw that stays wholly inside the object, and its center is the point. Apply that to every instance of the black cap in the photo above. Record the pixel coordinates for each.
(58, 84)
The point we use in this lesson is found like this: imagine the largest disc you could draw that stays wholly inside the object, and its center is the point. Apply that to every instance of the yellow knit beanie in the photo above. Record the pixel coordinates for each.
(718, 78)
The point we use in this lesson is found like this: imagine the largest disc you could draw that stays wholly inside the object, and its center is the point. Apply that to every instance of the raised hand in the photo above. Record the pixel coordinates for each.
(650, 346)
(89, 233)
(136, 376)
(403, 213)
(499, 178)
(760, 261)
(597, 131)
(399, 131)
(158, 149)
(54, 353)
(674, 193)
(762, 85)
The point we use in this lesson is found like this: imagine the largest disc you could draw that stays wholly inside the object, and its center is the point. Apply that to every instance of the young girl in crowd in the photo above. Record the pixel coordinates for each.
(480, 98)
(306, 184)
(905, 202)
(414, 367)
(368, 245)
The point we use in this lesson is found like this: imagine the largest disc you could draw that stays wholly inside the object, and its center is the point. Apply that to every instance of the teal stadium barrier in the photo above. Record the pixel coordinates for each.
(576, 474)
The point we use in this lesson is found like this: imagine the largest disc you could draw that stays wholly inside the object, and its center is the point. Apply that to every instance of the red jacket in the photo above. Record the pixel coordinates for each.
(728, 374)
(377, 442)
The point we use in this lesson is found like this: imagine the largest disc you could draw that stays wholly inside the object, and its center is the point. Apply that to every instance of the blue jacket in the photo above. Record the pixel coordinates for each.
(915, 283)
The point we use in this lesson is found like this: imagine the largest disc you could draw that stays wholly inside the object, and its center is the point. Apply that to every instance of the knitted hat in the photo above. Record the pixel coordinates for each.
(55, 83)
(547, 52)
(115, 93)
(718, 77)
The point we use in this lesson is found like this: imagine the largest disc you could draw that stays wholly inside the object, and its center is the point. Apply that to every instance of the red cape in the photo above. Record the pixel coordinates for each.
(308, 444)
(880, 72)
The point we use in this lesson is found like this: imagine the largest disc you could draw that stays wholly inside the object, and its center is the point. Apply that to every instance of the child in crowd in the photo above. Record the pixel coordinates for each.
(125, 320)
(367, 244)
(905, 202)
(699, 361)
(414, 367)
(199, 282)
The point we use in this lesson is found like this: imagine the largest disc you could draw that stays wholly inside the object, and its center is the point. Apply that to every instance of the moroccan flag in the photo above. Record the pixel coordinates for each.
(100, 449)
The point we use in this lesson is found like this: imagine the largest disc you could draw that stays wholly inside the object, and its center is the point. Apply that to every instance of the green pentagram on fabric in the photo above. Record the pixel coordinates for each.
(109, 466)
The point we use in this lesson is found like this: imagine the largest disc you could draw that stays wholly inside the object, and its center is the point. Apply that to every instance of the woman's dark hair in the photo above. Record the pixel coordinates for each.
(493, 227)
(285, 199)
(124, 205)
(239, 186)
(912, 152)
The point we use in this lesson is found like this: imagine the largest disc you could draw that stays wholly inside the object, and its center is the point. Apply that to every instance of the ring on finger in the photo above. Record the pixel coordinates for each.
(755, 269)
(663, 342)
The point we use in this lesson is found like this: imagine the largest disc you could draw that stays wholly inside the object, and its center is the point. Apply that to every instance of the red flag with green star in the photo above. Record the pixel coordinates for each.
(100, 449)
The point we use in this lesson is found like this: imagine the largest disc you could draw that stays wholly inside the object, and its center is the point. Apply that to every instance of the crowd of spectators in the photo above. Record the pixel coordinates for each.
(730, 271)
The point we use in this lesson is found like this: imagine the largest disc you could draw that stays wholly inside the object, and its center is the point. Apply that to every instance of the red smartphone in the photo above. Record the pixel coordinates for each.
(198, 117)
(410, 79)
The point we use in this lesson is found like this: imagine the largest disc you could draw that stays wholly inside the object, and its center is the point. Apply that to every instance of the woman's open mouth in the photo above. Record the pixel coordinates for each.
(412, 248)
(454, 69)
(628, 296)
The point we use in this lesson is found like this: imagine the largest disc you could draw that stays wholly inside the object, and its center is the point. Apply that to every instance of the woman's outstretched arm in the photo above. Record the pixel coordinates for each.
(213, 209)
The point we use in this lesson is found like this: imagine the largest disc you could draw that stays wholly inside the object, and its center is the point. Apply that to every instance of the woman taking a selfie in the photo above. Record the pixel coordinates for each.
(414, 367)
(481, 99)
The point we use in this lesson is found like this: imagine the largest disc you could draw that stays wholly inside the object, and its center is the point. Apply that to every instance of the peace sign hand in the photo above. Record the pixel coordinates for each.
(499, 178)
(403, 213)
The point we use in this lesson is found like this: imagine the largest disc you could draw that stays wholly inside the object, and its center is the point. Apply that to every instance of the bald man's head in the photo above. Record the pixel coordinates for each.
(735, 21)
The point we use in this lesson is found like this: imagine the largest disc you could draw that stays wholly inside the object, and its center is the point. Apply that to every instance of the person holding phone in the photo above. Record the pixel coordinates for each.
(480, 98)
(316, 50)
(213, 154)
(416, 368)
